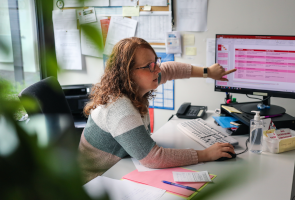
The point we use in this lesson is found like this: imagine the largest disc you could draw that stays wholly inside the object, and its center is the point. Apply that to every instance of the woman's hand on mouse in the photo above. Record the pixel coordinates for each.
(215, 151)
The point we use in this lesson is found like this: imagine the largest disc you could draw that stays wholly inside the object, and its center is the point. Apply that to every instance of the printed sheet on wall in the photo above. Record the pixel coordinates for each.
(165, 92)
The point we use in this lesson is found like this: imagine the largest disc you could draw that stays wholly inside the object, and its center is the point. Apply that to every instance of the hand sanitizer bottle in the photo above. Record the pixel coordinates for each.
(256, 133)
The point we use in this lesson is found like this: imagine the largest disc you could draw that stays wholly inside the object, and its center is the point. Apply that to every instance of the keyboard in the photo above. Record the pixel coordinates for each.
(200, 131)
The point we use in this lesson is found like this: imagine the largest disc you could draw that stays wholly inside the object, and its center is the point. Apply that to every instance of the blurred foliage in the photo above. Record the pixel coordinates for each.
(28, 171)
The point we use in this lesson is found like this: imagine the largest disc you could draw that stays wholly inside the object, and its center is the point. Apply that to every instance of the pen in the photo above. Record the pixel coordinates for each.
(270, 116)
(182, 186)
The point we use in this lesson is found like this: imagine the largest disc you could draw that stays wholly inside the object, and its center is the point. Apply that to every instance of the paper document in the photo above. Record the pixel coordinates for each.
(119, 28)
(88, 47)
(96, 3)
(202, 176)
(86, 16)
(173, 42)
(68, 51)
(188, 39)
(231, 109)
(105, 23)
(152, 26)
(131, 11)
(73, 3)
(123, 2)
(190, 51)
(165, 92)
(121, 189)
(64, 19)
(147, 8)
(153, 2)
(140, 167)
(109, 11)
(191, 15)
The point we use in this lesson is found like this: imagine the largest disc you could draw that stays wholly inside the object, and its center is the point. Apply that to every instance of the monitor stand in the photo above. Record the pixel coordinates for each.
(273, 110)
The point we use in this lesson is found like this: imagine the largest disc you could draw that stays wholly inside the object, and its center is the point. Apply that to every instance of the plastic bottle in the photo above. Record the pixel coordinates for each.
(256, 133)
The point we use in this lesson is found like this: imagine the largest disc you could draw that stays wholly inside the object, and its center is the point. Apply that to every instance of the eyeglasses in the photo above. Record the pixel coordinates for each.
(152, 66)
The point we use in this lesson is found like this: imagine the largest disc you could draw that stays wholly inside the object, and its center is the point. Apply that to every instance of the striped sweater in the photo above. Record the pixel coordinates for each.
(117, 130)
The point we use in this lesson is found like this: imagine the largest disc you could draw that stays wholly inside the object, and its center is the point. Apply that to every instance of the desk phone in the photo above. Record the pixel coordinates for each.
(188, 111)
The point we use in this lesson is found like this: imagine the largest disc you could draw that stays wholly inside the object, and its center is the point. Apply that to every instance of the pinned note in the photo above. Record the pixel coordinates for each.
(86, 16)
(147, 8)
(188, 39)
(130, 11)
(190, 51)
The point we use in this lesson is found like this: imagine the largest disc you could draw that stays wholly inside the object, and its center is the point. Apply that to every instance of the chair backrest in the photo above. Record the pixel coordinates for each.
(49, 97)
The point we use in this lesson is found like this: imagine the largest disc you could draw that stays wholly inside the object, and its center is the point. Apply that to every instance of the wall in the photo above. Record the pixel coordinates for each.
(264, 17)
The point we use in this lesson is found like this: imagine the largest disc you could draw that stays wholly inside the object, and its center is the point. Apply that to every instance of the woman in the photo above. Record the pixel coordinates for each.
(118, 122)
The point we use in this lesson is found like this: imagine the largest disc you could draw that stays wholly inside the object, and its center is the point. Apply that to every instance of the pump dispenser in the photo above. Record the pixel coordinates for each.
(257, 115)
(256, 133)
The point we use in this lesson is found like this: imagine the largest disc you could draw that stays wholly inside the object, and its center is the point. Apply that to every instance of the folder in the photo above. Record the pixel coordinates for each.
(155, 178)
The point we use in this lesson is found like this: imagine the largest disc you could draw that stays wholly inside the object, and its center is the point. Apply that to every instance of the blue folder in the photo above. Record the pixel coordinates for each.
(224, 122)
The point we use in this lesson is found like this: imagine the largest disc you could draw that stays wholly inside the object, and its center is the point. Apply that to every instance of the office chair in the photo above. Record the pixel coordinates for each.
(48, 96)
(50, 100)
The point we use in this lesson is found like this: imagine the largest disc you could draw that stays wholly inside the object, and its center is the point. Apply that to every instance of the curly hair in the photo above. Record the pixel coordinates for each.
(117, 80)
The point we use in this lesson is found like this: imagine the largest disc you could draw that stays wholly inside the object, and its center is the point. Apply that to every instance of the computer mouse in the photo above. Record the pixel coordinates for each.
(226, 158)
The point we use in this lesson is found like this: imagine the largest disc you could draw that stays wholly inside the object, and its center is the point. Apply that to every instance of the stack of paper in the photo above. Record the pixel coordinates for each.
(231, 109)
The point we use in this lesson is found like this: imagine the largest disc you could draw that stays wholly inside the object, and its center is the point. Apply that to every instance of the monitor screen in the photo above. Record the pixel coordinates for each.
(265, 64)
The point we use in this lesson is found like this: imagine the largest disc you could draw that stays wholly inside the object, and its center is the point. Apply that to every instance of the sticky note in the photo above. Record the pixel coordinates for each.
(130, 11)
(190, 51)
(147, 8)
(188, 39)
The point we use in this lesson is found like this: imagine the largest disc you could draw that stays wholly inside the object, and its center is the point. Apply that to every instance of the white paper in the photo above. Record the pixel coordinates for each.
(153, 2)
(202, 176)
(123, 2)
(140, 167)
(173, 42)
(210, 55)
(64, 19)
(87, 46)
(109, 11)
(68, 51)
(121, 189)
(96, 3)
(152, 26)
(191, 15)
(73, 3)
(86, 16)
(119, 28)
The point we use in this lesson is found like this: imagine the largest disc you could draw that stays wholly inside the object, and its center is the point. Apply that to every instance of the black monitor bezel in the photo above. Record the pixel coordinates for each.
(270, 93)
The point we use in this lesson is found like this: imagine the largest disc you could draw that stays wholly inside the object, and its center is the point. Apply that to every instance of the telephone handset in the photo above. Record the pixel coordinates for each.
(188, 111)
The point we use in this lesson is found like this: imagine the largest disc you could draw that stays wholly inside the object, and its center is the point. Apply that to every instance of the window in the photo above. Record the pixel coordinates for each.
(19, 61)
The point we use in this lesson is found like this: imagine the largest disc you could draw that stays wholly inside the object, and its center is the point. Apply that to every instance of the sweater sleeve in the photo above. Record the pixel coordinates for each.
(174, 70)
(127, 128)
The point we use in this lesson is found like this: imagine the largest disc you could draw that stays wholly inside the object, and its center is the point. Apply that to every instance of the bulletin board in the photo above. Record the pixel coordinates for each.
(153, 8)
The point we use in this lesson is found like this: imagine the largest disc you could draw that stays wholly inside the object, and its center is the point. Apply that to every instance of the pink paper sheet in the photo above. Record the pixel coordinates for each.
(155, 178)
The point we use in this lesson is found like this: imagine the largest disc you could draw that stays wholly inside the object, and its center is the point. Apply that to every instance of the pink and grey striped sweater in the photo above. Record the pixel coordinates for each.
(117, 130)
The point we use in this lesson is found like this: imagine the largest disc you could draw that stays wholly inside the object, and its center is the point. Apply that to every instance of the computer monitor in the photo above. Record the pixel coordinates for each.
(265, 66)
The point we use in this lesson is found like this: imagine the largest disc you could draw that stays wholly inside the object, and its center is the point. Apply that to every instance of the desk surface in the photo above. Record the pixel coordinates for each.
(249, 176)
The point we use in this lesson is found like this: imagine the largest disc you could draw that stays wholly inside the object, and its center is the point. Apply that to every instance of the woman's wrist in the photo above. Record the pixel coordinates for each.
(201, 155)
(208, 72)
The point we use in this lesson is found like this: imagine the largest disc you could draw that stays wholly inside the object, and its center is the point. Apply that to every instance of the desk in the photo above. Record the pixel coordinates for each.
(265, 176)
